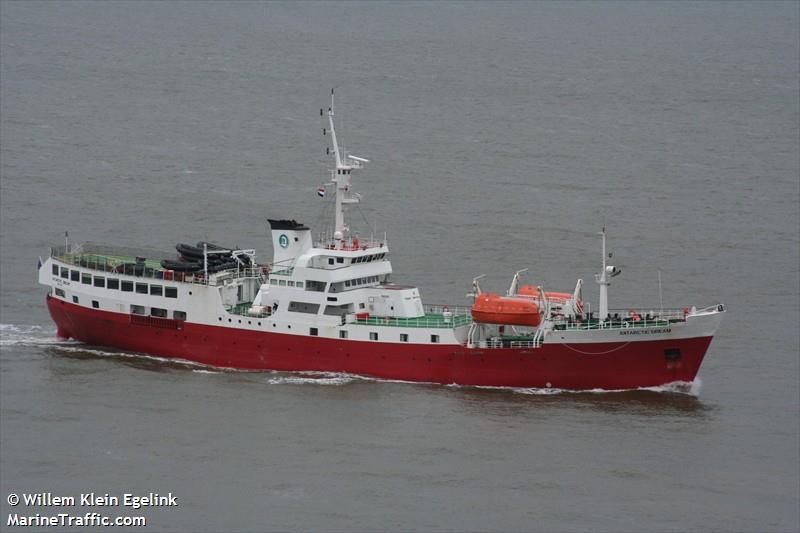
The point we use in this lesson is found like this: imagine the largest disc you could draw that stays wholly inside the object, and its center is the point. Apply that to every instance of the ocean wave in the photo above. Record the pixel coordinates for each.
(30, 335)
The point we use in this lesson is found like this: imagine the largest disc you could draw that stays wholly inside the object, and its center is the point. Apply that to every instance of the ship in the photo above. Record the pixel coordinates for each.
(327, 303)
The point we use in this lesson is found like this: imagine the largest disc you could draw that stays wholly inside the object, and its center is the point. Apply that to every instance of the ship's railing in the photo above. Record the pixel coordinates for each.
(328, 242)
(427, 321)
(117, 261)
(623, 319)
(497, 343)
(440, 309)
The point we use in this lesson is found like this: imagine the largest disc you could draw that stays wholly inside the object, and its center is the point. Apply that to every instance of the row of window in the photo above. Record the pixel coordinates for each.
(359, 259)
(369, 258)
(157, 312)
(361, 281)
(373, 335)
(135, 309)
(115, 284)
(284, 283)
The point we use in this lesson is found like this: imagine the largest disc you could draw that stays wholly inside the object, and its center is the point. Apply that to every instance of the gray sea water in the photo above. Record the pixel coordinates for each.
(501, 136)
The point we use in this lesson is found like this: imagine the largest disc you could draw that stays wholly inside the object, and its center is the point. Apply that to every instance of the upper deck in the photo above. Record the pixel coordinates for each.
(142, 263)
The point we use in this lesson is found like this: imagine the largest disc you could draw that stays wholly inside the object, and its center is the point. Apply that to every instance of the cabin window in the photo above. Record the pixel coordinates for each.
(404, 337)
(347, 283)
(332, 298)
(141, 288)
(161, 313)
(340, 259)
(95, 304)
(112, 284)
(373, 335)
(434, 338)
(316, 286)
(342, 334)
(273, 281)
(127, 286)
(299, 284)
(282, 283)
(330, 260)
(304, 307)
(55, 270)
(86, 279)
(74, 275)
(156, 290)
(171, 292)
(361, 305)
(291, 283)
(99, 281)
(137, 309)
(181, 315)
(313, 332)
(60, 292)
(64, 273)
(75, 300)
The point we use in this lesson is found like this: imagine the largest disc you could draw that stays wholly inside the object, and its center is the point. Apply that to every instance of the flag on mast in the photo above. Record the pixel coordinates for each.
(321, 191)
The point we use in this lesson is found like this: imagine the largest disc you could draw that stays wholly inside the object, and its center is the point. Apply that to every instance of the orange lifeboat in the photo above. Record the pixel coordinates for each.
(490, 308)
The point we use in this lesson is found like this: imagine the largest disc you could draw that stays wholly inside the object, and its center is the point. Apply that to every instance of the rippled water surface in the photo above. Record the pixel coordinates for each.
(502, 136)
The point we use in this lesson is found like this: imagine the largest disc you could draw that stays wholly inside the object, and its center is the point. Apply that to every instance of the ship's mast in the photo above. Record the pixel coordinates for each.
(608, 271)
(340, 176)
(602, 279)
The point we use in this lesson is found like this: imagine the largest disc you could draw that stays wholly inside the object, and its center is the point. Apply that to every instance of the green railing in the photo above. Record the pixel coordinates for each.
(426, 321)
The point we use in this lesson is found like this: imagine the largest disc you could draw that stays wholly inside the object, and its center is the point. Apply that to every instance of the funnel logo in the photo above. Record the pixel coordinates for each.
(283, 240)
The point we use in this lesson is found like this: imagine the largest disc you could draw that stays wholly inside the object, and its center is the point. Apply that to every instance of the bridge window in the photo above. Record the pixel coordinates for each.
(112, 284)
(64, 273)
(74, 275)
(141, 288)
(86, 279)
(273, 281)
(171, 292)
(55, 269)
(127, 286)
(99, 281)
(299, 284)
(156, 290)
(282, 283)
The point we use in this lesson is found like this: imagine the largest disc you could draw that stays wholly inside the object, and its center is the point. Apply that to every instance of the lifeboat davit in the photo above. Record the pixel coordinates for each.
(532, 291)
(491, 308)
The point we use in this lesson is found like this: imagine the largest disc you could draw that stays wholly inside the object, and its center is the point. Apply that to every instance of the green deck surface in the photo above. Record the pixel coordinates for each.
(105, 261)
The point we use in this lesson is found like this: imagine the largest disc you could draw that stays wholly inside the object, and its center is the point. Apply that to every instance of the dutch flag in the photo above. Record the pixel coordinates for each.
(321, 192)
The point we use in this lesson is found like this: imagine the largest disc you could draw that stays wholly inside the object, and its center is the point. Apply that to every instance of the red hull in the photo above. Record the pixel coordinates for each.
(624, 366)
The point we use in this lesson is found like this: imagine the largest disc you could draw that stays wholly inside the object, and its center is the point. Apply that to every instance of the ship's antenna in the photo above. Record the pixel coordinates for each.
(660, 294)
(341, 178)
